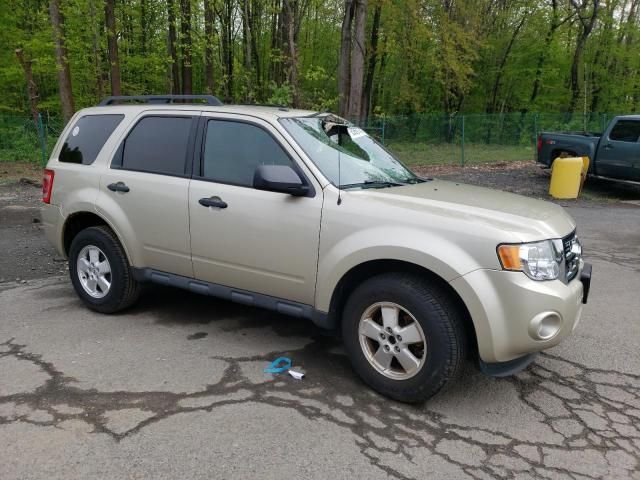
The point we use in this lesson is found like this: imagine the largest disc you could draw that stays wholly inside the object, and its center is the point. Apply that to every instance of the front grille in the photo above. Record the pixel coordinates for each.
(572, 254)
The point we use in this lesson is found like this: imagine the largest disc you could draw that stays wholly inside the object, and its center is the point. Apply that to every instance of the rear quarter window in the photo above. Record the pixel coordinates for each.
(87, 137)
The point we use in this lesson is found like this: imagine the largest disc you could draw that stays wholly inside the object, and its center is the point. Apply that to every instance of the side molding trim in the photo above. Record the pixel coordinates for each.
(236, 295)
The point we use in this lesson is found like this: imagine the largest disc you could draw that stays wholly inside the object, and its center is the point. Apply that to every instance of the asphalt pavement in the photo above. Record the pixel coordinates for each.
(174, 388)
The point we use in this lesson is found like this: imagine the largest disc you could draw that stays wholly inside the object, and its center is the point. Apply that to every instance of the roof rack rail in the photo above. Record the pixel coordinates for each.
(274, 105)
(206, 99)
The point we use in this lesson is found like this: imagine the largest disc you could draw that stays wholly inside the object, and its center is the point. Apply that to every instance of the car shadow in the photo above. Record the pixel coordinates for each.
(172, 306)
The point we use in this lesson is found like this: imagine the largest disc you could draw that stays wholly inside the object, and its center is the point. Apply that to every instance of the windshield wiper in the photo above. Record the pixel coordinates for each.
(372, 184)
(418, 180)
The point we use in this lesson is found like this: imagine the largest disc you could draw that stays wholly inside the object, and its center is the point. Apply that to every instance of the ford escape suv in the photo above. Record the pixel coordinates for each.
(304, 213)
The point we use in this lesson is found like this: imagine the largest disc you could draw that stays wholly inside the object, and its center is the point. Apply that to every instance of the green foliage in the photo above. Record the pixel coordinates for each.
(280, 94)
(468, 56)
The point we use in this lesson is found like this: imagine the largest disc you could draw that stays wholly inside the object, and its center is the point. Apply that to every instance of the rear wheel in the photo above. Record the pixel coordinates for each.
(100, 272)
(404, 336)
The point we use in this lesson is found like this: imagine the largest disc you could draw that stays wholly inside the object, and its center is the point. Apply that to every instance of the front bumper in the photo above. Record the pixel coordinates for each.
(507, 308)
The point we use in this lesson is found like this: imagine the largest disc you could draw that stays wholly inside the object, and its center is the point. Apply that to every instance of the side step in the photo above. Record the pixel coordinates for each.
(244, 297)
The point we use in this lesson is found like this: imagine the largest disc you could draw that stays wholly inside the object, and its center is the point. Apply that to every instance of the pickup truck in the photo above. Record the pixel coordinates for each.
(614, 154)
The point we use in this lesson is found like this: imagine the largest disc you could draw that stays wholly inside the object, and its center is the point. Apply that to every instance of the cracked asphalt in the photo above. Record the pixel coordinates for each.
(174, 388)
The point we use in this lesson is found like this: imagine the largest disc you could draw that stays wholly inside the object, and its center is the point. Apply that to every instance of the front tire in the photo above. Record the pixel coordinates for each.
(404, 336)
(100, 272)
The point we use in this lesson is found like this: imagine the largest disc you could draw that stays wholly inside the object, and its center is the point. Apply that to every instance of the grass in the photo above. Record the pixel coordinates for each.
(425, 154)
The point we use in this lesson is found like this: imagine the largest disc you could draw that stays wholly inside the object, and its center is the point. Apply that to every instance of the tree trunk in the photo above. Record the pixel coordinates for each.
(185, 30)
(344, 67)
(64, 73)
(225, 14)
(95, 42)
(357, 60)
(112, 45)
(496, 84)
(587, 27)
(255, 17)
(289, 12)
(229, 35)
(373, 57)
(276, 43)
(247, 51)
(173, 52)
(208, 48)
(143, 27)
(246, 35)
(32, 90)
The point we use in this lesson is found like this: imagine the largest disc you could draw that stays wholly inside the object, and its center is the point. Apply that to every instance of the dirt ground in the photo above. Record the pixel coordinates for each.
(25, 252)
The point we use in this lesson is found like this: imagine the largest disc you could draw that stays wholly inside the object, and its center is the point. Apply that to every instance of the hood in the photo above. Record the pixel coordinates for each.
(526, 219)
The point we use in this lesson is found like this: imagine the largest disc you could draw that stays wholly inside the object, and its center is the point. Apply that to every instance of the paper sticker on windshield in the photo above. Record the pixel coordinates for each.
(75, 131)
(355, 132)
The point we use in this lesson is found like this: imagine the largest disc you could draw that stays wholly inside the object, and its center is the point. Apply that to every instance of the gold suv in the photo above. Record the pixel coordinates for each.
(304, 213)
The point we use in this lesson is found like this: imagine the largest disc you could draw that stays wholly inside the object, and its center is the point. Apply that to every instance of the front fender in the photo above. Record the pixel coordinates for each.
(438, 255)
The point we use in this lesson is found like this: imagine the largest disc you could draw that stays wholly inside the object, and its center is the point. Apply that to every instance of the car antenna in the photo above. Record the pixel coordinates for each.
(339, 182)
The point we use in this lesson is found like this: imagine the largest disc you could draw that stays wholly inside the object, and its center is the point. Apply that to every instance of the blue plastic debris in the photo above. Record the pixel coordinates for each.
(279, 365)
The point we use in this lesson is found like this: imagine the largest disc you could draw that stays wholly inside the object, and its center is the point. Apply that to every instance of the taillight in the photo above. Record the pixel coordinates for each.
(47, 185)
(539, 143)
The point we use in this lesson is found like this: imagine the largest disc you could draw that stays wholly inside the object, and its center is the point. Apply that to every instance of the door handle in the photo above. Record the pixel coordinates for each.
(608, 146)
(118, 187)
(213, 202)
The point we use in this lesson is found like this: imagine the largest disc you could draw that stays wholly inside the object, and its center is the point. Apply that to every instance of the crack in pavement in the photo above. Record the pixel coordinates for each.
(594, 413)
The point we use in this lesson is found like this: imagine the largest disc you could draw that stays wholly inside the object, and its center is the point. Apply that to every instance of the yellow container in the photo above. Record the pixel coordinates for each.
(567, 176)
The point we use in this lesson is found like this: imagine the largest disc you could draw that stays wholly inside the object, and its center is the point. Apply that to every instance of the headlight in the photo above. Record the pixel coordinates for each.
(539, 260)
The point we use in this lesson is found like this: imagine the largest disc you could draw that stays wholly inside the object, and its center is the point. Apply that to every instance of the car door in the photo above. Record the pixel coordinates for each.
(260, 241)
(146, 189)
(619, 151)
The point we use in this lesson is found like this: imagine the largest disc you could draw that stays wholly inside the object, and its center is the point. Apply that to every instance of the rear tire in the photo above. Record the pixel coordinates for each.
(100, 271)
(434, 346)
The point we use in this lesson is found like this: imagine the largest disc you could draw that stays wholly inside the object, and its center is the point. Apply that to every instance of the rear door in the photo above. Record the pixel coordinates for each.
(145, 190)
(619, 150)
(261, 241)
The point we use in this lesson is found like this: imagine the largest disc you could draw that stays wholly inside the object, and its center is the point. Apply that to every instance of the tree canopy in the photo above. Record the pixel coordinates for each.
(362, 57)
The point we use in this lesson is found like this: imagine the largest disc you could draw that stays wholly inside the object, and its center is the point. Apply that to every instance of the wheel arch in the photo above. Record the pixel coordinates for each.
(359, 273)
(562, 152)
(78, 221)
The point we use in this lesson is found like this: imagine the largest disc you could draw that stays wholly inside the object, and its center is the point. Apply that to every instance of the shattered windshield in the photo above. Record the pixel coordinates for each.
(346, 154)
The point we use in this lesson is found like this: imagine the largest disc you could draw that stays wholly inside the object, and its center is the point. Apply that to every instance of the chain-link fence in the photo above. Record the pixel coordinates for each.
(435, 139)
(424, 139)
(24, 139)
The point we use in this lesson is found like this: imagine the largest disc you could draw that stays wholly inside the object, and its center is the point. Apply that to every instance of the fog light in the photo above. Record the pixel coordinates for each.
(545, 325)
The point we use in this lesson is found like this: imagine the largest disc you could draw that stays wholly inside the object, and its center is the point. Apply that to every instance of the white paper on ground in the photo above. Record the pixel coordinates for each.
(296, 375)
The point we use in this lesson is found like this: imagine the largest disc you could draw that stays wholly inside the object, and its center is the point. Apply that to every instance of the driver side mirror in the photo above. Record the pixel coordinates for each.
(279, 178)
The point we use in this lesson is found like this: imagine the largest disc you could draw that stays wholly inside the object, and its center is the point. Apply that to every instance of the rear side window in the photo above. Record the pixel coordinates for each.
(158, 145)
(625, 131)
(87, 137)
(234, 150)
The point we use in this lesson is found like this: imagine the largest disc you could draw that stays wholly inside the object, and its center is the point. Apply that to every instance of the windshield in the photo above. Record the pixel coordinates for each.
(332, 142)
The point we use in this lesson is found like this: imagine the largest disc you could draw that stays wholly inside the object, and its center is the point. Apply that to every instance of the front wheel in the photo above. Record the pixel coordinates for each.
(404, 336)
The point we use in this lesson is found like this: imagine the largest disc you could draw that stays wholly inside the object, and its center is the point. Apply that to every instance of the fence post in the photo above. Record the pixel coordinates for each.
(384, 121)
(462, 143)
(42, 138)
